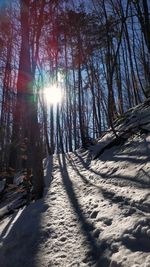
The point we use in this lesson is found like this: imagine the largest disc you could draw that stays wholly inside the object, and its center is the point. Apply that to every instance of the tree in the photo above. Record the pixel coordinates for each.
(142, 8)
(25, 123)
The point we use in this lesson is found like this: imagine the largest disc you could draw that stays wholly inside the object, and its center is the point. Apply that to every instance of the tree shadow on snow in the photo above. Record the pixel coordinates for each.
(111, 196)
(23, 236)
(74, 166)
(96, 250)
(139, 183)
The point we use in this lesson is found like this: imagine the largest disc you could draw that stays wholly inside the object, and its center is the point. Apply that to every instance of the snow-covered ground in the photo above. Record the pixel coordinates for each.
(94, 212)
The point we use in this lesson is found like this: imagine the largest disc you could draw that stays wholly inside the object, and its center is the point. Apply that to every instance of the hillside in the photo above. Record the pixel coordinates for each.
(96, 207)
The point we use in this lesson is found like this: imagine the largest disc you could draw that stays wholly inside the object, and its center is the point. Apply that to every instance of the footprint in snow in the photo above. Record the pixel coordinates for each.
(53, 198)
(95, 206)
(96, 233)
(62, 256)
(45, 234)
(63, 239)
(138, 238)
(128, 212)
(94, 214)
(106, 221)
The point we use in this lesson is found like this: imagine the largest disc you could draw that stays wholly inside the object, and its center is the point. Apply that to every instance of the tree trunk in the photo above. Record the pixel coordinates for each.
(25, 125)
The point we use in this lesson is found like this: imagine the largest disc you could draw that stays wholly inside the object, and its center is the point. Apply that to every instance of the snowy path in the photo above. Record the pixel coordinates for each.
(84, 220)
(73, 243)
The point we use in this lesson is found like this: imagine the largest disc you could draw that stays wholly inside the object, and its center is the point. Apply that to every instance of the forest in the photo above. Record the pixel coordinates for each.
(68, 70)
(74, 133)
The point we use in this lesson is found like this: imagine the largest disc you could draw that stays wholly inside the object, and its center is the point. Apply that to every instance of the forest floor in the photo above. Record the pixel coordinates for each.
(94, 212)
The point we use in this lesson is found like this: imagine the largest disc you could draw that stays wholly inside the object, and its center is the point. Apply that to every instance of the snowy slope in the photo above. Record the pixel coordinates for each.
(94, 212)
(135, 120)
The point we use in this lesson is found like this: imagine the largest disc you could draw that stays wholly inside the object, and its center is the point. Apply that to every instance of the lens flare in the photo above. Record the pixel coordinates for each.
(52, 94)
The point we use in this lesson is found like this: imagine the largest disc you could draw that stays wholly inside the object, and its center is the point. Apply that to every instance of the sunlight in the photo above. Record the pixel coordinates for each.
(52, 94)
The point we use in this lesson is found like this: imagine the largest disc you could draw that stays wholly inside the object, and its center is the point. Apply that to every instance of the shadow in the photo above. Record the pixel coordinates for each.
(137, 241)
(146, 174)
(139, 244)
(121, 201)
(133, 160)
(117, 153)
(3, 233)
(106, 193)
(84, 163)
(24, 234)
(96, 250)
(124, 178)
(73, 165)
(128, 179)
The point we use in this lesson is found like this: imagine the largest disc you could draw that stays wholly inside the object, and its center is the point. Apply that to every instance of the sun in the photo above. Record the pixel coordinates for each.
(52, 94)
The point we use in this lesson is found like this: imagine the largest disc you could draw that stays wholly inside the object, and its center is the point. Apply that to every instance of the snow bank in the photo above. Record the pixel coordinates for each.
(94, 212)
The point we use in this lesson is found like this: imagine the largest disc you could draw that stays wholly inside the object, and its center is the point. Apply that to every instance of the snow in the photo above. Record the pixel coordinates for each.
(94, 212)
